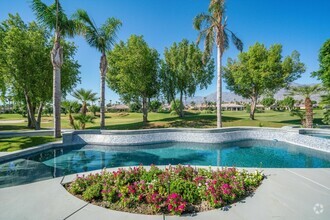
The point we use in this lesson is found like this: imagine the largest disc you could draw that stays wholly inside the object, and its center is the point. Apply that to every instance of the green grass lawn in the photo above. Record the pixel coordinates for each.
(19, 143)
(127, 121)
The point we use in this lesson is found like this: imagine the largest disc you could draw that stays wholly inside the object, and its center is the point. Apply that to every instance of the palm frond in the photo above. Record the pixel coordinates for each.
(305, 90)
(225, 41)
(203, 21)
(84, 21)
(208, 44)
(109, 30)
(236, 41)
(217, 7)
(45, 14)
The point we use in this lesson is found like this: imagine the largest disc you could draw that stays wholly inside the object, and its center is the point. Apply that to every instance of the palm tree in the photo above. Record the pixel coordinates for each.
(70, 107)
(83, 120)
(84, 96)
(54, 18)
(307, 92)
(102, 39)
(213, 29)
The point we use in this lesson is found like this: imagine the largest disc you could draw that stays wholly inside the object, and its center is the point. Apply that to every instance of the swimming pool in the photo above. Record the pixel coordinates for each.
(62, 161)
(327, 136)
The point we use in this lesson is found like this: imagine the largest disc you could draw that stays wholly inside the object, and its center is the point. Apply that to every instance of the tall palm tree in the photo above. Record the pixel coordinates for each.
(54, 18)
(84, 96)
(213, 29)
(307, 92)
(102, 39)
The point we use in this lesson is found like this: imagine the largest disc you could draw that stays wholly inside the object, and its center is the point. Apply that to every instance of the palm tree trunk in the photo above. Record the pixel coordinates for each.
(219, 87)
(103, 71)
(71, 120)
(84, 108)
(309, 113)
(57, 61)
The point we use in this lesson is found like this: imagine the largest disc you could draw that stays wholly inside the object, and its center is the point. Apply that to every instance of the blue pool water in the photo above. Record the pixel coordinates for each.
(327, 136)
(63, 161)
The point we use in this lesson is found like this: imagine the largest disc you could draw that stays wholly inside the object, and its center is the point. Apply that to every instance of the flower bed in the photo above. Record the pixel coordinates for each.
(174, 190)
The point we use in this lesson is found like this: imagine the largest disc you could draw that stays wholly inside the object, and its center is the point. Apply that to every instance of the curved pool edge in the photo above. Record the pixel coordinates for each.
(220, 135)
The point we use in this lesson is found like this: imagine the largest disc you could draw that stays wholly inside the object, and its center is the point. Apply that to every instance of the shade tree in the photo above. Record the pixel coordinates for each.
(259, 71)
(26, 68)
(183, 71)
(133, 71)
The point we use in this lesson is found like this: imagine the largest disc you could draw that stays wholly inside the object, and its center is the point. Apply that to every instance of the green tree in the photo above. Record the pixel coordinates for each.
(134, 71)
(213, 29)
(94, 109)
(261, 70)
(325, 102)
(288, 103)
(102, 39)
(268, 101)
(183, 70)
(135, 106)
(155, 105)
(26, 68)
(300, 114)
(82, 121)
(85, 96)
(69, 107)
(307, 92)
(324, 70)
(55, 19)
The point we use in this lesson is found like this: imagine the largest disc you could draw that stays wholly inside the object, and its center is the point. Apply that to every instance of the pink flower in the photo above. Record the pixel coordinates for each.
(182, 207)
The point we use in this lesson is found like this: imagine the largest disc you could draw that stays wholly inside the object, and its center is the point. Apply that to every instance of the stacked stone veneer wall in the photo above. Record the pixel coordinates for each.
(194, 135)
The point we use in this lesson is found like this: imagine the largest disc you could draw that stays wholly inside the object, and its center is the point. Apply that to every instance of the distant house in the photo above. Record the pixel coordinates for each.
(117, 108)
(166, 107)
(260, 107)
(232, 107)
(302, 106)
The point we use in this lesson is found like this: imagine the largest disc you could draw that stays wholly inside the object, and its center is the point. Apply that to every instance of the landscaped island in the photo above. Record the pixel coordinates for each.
(173, 190)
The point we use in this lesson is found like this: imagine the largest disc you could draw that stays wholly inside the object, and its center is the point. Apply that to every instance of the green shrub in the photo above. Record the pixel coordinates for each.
(173, 112)
(187, 189)
(92, 192)
(206, 111)
(171, 190)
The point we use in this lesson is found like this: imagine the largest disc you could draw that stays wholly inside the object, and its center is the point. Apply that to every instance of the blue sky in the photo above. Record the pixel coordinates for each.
(301, 25)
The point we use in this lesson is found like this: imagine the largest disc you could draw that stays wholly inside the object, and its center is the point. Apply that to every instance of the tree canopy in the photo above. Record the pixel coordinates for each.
(268, 101)
(324, 70)
(25, 64)
(134, 71)
(183, 71)
(261, 70)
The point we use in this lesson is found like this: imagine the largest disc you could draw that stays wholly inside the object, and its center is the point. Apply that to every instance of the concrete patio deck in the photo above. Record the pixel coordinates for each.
(284, 194)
